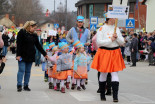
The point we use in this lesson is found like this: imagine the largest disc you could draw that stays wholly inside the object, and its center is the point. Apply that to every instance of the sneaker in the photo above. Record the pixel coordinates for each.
(83, 87)
(79, 88)
(55, 88)
(62, 90)
(67, 85)
(26, 88)
(19, 88)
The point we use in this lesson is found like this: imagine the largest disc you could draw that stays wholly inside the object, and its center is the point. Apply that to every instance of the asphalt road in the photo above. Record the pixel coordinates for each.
(137, 86)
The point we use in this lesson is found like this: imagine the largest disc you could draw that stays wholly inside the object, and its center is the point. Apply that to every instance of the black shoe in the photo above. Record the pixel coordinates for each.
(58, 86)
(108, 92)
(19, 88)
(51, 86)
(83, 87)
(102, 90)
(79, 88)
(26, 88)
(115, 88)
(133, 66)
(73, 86)
(98, 91)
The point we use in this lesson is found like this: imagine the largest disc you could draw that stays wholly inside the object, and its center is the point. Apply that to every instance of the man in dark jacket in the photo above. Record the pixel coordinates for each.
(134, 49)
(5, 38)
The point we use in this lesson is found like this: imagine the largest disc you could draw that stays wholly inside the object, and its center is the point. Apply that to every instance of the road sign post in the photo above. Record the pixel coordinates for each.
(56, 26)
(93, 23)
(130, 23)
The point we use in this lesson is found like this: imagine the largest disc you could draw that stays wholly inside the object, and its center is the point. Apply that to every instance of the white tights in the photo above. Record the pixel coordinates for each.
(82, 82)
(69, 79)
(114, 75)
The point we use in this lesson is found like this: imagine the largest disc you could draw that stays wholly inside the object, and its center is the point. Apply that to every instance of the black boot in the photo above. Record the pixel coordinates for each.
(102, 90)
(26, 88)
(19, 88)
(98, 91)
(115, 88)
(108, 87)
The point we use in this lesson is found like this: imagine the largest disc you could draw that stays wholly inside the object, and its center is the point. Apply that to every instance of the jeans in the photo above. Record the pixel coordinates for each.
(4, 50)
(23, 71)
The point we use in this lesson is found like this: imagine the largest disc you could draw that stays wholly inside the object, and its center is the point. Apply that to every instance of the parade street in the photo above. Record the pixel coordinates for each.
(136, 87)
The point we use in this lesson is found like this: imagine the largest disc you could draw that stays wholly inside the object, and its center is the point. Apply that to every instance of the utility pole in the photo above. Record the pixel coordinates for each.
(66, 15)
(54, 6)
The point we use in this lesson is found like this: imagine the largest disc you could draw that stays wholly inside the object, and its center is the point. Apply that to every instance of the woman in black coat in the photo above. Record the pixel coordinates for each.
(27, 39)
(5, 38)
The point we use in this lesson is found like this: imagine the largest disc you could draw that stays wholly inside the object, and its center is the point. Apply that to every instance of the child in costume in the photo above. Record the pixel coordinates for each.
(64, 65)
(44, 65)
(52, 71)
(50, 65)
(108, 58)
(80, 67)
(88, 64)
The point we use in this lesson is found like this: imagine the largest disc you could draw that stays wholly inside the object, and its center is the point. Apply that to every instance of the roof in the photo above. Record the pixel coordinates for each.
(6, 21)
(42, 22)
(82, 2)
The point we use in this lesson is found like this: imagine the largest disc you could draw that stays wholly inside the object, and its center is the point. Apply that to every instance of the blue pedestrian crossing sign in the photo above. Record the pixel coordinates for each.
(93, 27)
(130, 23)
(56, 26)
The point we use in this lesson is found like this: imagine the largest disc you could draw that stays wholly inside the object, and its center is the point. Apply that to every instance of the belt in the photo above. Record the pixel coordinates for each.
(106, 48)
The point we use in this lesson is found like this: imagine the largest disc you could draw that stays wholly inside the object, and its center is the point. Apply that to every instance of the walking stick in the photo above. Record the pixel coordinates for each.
(77, 74)
(58, 72)
(116, 22)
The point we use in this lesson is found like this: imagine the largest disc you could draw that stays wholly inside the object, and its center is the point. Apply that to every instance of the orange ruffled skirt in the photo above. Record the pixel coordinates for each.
(81, 73)
(108, 61)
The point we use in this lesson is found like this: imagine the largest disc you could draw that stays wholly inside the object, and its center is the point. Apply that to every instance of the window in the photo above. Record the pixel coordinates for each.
(48, 25)
(132, 6)
(99, 10)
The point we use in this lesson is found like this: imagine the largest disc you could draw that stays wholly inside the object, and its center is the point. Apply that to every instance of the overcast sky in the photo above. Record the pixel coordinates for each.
(49, 4)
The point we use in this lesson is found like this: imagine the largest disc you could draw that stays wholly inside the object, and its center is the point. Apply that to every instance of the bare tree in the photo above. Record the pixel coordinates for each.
(25, 10)
(4, 6)
(60, 17)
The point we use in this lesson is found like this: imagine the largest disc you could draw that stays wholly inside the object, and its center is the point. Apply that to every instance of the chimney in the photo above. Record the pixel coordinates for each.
(7, 16)
(13, 19)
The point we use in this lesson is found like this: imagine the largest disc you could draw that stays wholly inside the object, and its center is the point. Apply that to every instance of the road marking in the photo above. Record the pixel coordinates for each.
(136, 98)
(37, 96)
(83, 96)
(37, 75)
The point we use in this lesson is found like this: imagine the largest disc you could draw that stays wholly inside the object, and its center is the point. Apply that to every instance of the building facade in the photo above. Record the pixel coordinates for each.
(88, 8)
(150, 22)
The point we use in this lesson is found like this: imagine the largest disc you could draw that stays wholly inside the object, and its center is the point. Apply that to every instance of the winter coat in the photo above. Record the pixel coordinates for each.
(5, 39)
(26, 43)
(127, 51)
